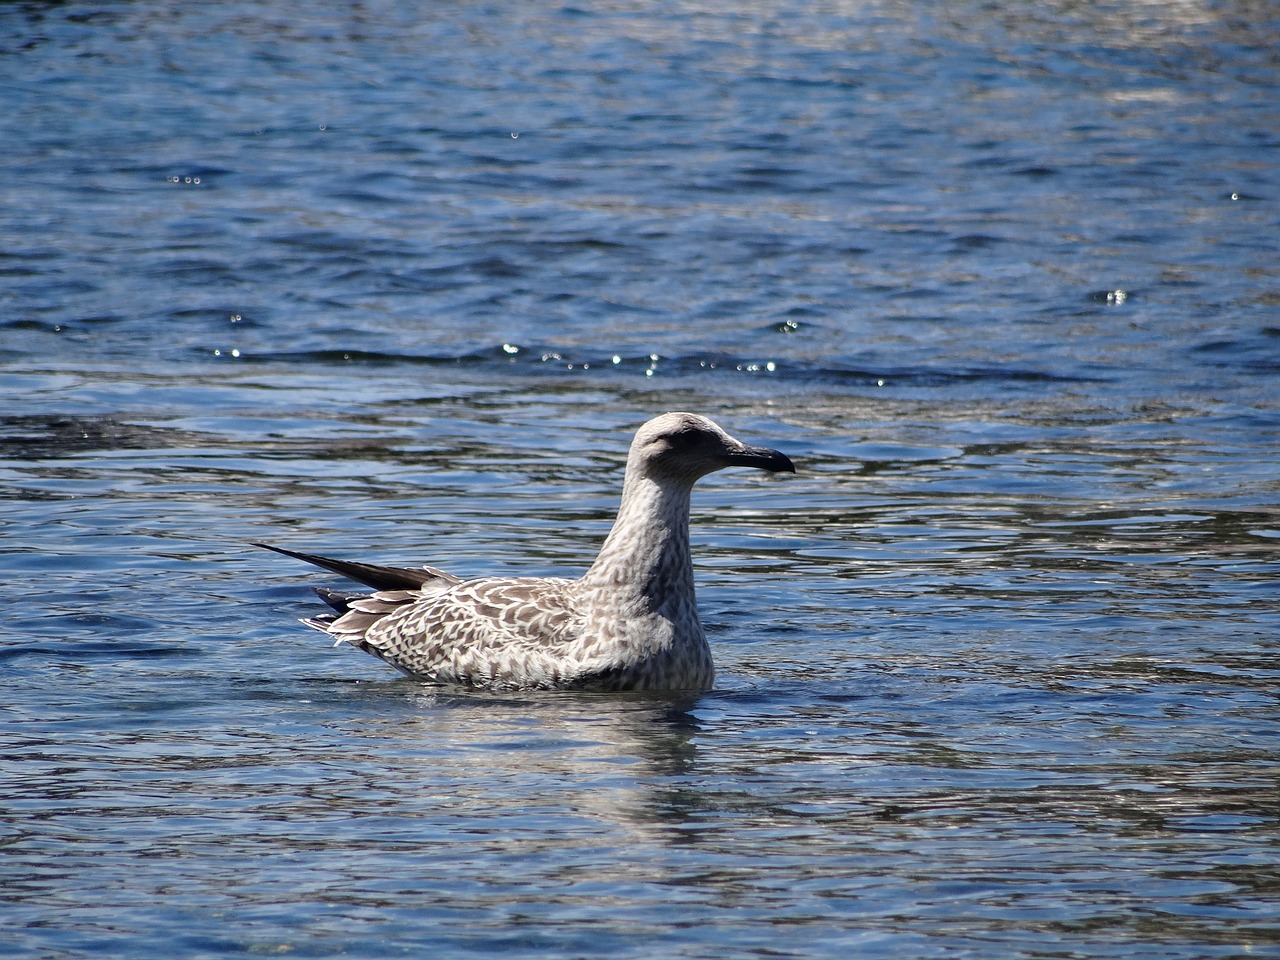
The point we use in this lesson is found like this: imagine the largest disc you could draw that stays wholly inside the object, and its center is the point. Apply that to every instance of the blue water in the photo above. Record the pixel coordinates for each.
(997, 668)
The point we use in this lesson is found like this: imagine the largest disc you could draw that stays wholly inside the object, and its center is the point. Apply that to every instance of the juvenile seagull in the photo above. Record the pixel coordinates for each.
(630, 623)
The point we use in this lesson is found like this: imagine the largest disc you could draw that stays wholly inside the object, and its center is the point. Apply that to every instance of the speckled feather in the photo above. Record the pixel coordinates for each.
(630, 623)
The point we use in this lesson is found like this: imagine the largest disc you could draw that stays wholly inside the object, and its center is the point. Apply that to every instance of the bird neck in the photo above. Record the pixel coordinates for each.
(648, 548)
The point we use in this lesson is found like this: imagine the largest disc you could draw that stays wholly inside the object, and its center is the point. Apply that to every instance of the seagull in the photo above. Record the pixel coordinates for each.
(629, 623)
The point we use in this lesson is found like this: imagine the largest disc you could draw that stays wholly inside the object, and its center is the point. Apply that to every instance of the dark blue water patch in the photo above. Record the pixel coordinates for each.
(976, 241)
(86, 651)
(890, 376)
(1257, 353)
(39, 437)
(1036, 172)
(370, 358)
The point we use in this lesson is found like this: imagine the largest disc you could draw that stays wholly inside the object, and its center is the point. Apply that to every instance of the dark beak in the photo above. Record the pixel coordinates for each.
(761, 457)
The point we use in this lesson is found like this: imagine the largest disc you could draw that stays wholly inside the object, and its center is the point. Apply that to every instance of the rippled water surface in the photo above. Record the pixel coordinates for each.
(997, 666)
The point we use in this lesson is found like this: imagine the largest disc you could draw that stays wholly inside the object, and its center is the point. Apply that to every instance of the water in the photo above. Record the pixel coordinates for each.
(997, 667)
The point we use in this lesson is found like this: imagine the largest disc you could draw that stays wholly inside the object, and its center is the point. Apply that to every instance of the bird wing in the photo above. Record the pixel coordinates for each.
(501, 632)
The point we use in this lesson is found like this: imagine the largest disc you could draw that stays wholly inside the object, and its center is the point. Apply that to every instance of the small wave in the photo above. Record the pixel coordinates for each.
(534, 359)
(93, 650)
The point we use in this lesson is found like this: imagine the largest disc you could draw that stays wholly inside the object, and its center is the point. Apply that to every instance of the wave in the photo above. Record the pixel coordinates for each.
(532, 360)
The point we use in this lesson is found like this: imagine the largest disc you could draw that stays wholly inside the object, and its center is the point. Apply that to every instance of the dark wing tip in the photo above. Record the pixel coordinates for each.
(372, 575)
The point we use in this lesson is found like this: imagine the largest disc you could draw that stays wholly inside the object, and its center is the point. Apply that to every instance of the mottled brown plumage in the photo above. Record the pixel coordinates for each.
(630, 623)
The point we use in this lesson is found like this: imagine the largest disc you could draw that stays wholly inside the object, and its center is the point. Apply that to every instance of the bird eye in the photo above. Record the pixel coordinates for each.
(683, 439)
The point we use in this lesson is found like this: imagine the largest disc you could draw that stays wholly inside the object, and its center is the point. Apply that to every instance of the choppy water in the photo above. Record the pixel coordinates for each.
(395, 281)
